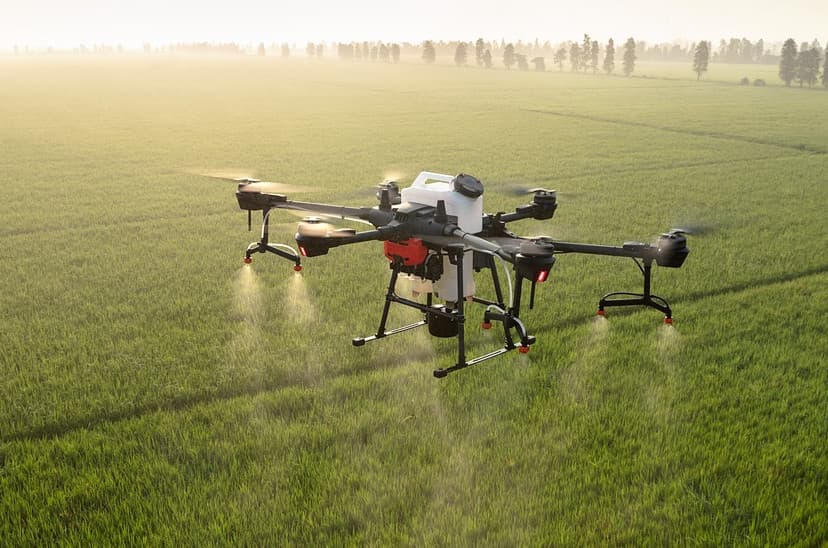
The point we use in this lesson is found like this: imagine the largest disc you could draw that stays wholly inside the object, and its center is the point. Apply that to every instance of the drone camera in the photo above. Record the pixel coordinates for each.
(672, 249)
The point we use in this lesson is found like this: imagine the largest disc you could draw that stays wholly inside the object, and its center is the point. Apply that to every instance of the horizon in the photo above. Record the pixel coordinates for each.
(133, 24)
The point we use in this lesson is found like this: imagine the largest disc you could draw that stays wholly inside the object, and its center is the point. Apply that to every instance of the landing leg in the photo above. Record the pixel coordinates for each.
(391, 297)
(638, 299)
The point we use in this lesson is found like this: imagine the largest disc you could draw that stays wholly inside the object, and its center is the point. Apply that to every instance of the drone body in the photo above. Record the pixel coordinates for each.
(436, 235)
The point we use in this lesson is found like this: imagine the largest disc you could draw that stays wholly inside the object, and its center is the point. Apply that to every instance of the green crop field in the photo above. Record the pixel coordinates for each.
(153, 391)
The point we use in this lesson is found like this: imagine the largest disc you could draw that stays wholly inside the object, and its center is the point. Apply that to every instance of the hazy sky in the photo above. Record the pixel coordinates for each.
(68, 23)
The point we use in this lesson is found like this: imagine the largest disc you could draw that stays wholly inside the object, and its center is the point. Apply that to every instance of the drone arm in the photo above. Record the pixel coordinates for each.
(542, 207)
(670, 250)
(642, 251)
(343, 212)
(366, 236)
(523, 212)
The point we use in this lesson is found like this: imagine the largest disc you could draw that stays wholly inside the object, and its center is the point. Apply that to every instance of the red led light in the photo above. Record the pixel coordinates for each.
(303, 251)
(542, 275)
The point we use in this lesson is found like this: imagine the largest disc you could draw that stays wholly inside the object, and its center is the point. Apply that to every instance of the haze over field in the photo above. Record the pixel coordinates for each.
(53, 23)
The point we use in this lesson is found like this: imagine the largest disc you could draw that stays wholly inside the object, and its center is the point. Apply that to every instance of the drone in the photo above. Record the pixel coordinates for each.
(436, 235)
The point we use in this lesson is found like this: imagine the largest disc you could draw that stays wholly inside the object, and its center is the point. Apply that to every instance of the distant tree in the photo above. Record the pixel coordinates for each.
(540, 64)
(429, 55)
(629, 57)
(732, 51)
(701, 58)
(825, 70)
(575, 56)
(807, 66)
(479, 47)
(285, 50)
(521, 61)
(509, 56)
(560, 57)
(374, 54)
(586, 52)
(759, 51)
(366, 51)
(384, 53)
(609, 57)
(460, 54)
(395, 52)
(261, 51)
(357, 52)
(320, 49)
(345, 51)
(787, 64)
(593, 56)
(310, 49)
(746, 51)
(487, 59)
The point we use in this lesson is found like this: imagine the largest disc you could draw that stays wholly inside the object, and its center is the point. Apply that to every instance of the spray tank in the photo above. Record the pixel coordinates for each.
(462, 196)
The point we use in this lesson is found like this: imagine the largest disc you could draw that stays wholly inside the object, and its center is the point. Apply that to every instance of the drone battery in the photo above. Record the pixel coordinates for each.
(411, 251)
(440, 324)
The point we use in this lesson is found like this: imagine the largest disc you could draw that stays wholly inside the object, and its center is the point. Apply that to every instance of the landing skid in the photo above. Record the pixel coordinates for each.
(451, 322)
(638, 299)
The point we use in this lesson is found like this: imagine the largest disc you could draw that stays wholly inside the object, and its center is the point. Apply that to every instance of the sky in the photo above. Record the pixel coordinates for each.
(69, 23)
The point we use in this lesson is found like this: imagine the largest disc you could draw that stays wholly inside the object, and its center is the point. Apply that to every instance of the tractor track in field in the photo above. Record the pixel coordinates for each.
(56, 430)
(656, 168)
(804, 148)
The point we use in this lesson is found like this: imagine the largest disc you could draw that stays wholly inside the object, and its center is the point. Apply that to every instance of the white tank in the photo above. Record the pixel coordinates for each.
(429, 187)
(446, 286)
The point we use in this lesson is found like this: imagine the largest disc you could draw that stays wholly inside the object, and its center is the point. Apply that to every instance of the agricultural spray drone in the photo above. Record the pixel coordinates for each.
(436, 234)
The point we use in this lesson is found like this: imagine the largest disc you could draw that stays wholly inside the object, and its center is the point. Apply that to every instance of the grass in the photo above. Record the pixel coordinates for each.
(154, 392)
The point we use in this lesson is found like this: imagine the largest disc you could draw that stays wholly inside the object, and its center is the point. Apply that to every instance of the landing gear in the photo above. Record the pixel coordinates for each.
(450, 321)
(638, 299)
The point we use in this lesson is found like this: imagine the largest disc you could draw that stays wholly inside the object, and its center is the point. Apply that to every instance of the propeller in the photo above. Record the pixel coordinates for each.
(695, 229)
(315, 227)
(304, 214)
(518, 189)
(247, 183)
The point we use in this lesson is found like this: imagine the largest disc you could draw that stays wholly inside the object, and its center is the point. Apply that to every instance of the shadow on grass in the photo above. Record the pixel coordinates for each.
(695, 296)
(801, 147)
(186, 402)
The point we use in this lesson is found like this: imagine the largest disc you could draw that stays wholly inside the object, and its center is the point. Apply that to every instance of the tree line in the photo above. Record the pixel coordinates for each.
(803, 65)
(806, 65)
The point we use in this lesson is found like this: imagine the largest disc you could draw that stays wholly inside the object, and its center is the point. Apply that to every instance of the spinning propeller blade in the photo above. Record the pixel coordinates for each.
(315, 227)
(519, 189)
(304, 213)
(695, 229)
(247, 183)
